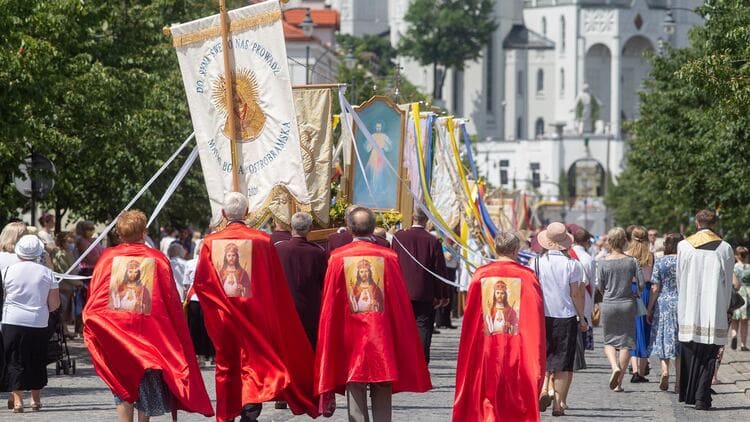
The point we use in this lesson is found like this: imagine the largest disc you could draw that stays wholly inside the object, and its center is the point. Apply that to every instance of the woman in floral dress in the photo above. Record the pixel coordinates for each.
(662, 310)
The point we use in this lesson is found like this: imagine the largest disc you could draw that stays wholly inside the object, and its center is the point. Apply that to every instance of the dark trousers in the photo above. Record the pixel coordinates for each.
(443, 315)
(425, 316)
(697, 365)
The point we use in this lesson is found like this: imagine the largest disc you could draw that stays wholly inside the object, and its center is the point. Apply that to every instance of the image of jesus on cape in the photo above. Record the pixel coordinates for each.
(379, 182)
(366, 295)
(501, 317)
(234, 278)
(129, 294)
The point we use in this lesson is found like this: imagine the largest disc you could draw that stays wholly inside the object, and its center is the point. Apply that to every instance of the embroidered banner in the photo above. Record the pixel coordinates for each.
(268, 147)
(313, 106)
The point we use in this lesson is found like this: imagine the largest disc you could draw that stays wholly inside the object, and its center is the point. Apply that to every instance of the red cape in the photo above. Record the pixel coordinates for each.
(368, 347)
(499, 375)
(276, 354)
(123, 344)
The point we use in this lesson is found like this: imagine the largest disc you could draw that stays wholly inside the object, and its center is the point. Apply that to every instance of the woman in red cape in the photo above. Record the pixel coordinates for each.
(368, 347)
(131, 342)
(499, 375)
(262, 351)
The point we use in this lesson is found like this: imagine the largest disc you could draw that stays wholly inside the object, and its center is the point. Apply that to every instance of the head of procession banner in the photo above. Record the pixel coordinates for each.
(266, 136)
(386, 122)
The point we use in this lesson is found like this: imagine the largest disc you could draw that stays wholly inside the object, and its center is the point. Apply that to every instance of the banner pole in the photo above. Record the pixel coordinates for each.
(229, 93)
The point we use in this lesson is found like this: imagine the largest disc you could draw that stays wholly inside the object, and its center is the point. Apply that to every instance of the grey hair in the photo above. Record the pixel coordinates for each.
(175, 249)
(301, 223)
(235, 206)
(507, 243)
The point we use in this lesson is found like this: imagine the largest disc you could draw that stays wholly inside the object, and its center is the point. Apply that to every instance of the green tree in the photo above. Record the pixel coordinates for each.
(446, 34)
(690, 147)
(95, 86)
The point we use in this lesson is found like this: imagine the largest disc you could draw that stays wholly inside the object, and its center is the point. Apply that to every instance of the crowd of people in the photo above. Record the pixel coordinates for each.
(359, 313)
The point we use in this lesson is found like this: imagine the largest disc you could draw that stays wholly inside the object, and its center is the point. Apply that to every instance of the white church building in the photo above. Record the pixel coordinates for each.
(549, 96)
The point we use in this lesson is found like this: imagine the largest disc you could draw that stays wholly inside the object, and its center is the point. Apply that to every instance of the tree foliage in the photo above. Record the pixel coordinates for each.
(376, 71)
(447, 33)
(95, 87)
(691, 146)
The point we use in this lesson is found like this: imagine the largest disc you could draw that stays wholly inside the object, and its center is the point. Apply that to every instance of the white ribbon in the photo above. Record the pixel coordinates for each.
(130, 204)
(173, 186)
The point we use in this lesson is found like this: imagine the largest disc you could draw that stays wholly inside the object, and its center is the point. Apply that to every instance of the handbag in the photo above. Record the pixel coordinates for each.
(596, 315)
(736, 301)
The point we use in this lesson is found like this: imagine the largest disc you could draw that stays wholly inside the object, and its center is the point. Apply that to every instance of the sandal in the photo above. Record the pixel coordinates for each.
(558, 412)
(35, 407)
(18, 409)
(614, 379)
(544, 402)
(618, 389)
(10, 402)
(664, 383)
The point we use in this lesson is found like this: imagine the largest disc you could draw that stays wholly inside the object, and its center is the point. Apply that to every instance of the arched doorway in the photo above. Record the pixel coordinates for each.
(597, 75)
(635, 70)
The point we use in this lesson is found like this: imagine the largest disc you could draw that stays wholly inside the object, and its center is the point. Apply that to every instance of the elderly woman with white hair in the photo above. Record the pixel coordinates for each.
(31, 293)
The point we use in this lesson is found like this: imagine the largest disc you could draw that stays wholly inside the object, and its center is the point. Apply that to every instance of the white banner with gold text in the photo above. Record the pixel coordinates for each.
(268, 147)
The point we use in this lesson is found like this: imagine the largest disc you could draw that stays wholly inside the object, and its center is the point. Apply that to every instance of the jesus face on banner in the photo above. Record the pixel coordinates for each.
(501, 298)
(131, 283)
(232, 259)
(364, 283)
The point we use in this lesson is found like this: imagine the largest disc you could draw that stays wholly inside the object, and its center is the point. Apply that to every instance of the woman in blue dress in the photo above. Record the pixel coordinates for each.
(639, 250)
(662, 311)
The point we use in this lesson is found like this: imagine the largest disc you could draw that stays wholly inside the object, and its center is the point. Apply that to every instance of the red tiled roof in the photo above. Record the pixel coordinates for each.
(326, 18)
(294, 33)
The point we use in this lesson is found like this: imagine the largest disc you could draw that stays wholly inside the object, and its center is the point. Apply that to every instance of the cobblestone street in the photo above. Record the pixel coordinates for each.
(83, 397)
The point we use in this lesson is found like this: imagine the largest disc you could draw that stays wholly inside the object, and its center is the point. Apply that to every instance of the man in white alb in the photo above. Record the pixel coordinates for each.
(704, 277)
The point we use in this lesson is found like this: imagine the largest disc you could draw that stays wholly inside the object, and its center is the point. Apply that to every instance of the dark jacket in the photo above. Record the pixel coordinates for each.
(421, 285)
(304, 266)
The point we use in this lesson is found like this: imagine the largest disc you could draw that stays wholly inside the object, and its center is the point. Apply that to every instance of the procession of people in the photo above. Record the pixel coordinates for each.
(292, 323)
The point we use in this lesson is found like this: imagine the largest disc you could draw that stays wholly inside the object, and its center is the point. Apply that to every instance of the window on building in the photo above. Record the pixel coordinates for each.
(544, 26)
(504, 164)
(539, 128)
(489, 77)
(519, 128)
(562, 82)
(519, 82)
(539, 81)
(562, 34)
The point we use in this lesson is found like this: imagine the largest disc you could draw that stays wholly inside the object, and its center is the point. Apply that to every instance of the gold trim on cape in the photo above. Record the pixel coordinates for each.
(261, 19)
(257, 218)
(702, 237)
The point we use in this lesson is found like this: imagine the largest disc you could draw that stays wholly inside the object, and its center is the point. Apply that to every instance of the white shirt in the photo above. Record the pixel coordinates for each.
(178, 272)
(187, 279)
(556, 273)
(589, 278)
(27, 286)
(7, 259)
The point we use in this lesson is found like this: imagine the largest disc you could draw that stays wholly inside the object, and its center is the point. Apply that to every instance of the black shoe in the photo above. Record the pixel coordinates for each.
(699, 405)
(734, 343)
(250, 412)
(638, 378)
(280, 405)
(435, 331)
(450, 327)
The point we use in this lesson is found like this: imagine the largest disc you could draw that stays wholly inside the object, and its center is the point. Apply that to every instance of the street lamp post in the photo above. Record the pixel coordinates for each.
(307, 26)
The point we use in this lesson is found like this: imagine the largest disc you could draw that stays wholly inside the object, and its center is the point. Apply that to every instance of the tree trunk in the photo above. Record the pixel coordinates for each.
(438, 79)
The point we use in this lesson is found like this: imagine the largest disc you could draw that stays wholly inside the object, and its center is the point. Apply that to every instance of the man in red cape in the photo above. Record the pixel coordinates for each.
(262, 352)
(134, 323)
(501, 361)
(367, 333)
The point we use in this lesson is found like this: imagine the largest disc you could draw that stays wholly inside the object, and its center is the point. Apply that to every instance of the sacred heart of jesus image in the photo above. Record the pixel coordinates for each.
(246, 108)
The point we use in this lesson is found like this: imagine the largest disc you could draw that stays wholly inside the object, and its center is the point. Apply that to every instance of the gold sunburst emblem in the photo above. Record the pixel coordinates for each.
(248, 113)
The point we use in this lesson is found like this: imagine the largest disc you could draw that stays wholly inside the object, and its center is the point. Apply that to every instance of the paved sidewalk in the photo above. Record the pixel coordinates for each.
(83, 397)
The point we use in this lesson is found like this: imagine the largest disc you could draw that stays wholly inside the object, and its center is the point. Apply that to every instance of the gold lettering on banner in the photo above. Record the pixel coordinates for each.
(263, 19)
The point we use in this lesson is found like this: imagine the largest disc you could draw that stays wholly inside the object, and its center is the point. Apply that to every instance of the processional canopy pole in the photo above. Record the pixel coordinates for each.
(229, 92)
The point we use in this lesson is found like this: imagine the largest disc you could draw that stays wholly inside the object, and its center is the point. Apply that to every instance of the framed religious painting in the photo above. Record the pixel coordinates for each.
(378, 187)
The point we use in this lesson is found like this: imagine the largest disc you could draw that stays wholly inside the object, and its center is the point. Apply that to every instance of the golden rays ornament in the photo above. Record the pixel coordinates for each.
(248, 113)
